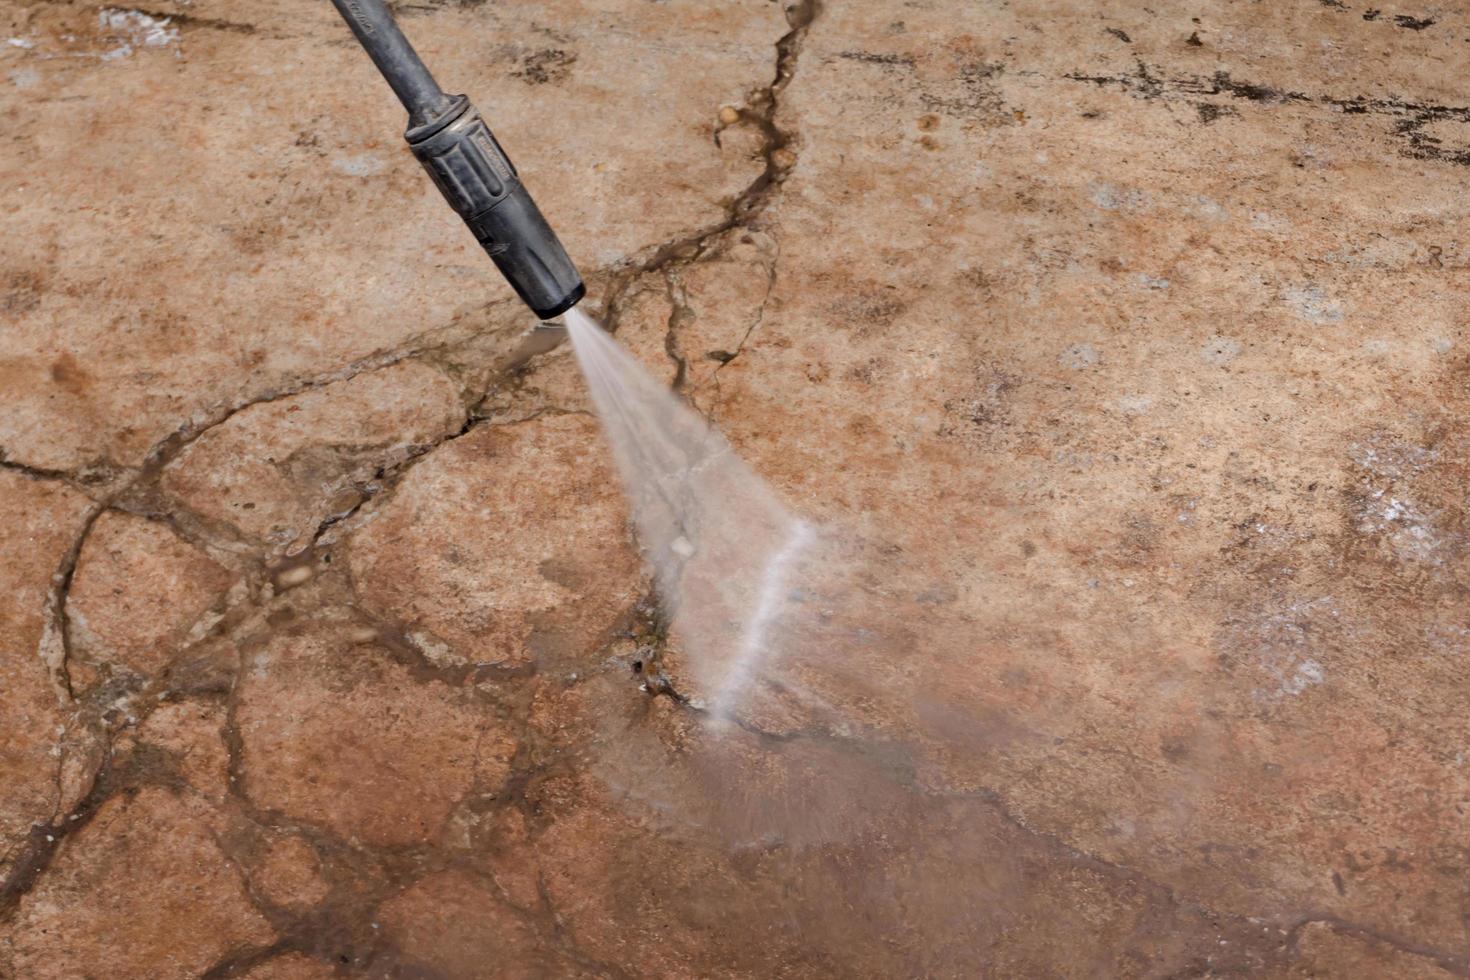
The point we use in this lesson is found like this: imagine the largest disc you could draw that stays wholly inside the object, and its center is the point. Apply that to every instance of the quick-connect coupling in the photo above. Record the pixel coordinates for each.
(479, 181)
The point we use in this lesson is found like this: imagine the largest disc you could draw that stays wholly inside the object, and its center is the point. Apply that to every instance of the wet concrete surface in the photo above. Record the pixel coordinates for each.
(1124, 345)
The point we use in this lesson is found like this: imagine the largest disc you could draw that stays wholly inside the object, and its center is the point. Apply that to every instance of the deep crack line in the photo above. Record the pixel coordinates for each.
(54, 646)
(749, 204)
(1449, 962)
(1150, 84)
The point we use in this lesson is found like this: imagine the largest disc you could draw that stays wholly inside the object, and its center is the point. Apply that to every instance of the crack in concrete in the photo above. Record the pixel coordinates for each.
(1413, 117)
(1076, 856)
(667, 258)
(679, 314)
(109, 476)
(776, 152)
(37, 472)
(55, 646)
(1449, 962)
(44, 840)
(102, 718)
(338, 929)
(756, 323)
(237, 963)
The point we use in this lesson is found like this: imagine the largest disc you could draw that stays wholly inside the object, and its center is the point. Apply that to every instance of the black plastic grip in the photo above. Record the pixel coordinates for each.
(469, 167)
(479, 181)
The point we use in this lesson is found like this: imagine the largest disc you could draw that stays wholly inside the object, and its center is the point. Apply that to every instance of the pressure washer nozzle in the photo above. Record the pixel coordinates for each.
(468, 166)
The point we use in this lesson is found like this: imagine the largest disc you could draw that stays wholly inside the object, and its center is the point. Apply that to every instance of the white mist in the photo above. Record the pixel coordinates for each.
(720, 543)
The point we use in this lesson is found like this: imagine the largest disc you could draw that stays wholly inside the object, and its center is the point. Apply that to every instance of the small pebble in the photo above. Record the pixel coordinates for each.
(294, 576)
(729, 115)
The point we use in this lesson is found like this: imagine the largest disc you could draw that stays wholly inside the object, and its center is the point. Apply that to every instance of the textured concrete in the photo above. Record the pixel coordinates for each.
(1123, 347)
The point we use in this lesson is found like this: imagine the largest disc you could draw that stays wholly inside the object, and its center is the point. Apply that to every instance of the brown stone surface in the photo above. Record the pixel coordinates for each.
(290, 874)
(504, 547)
(292, 966)
(186, 738)
(275, 471)
(137, 592)
(457, 926)
(141, 891)
(1119, 351)
(338, 734)
(1326, 951)
(41, 521)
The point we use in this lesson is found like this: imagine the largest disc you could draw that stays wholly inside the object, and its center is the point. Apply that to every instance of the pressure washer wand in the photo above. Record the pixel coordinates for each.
(478, 180)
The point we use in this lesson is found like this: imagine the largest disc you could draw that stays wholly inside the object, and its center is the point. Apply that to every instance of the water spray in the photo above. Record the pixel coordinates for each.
(721, 544)
(451, 140)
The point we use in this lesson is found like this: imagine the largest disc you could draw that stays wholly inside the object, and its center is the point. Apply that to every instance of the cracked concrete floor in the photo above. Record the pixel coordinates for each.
(1126, 341)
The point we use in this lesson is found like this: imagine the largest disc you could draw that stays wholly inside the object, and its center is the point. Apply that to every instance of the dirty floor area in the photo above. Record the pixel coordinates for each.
(1126, 344)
